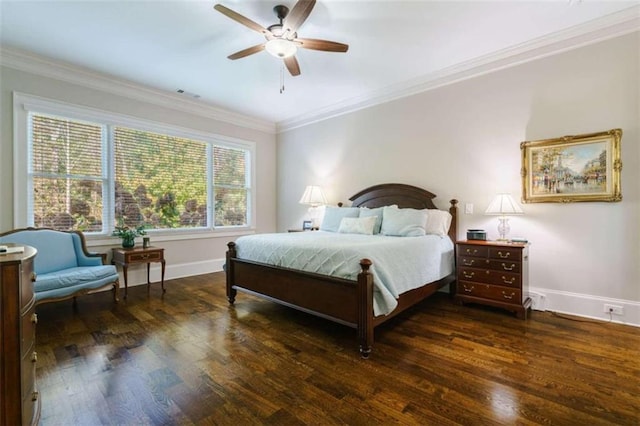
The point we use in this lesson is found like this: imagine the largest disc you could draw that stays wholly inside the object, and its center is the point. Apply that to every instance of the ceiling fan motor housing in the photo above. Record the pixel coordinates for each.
(281, 12)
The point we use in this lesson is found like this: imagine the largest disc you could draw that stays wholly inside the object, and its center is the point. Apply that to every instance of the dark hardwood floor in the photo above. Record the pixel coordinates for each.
(187, 357)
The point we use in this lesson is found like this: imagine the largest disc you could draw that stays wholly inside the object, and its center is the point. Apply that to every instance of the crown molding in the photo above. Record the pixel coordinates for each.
(46, 67)
(611, 26)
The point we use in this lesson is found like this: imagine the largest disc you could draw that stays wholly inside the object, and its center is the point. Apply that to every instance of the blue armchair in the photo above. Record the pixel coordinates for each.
(63, 266)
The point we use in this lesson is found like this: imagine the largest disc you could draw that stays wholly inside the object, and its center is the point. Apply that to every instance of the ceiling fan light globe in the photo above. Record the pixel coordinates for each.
(281, 48)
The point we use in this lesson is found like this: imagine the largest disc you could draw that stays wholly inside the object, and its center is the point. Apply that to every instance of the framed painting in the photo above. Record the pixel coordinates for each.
(572, 168)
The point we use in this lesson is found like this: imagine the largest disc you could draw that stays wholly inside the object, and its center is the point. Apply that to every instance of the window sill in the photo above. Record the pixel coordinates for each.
(160, 236)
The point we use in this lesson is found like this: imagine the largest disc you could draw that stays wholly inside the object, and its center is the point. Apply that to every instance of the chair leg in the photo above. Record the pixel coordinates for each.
(116, 287)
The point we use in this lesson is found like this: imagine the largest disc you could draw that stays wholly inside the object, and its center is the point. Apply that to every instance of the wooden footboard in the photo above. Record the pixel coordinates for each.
(332, 298)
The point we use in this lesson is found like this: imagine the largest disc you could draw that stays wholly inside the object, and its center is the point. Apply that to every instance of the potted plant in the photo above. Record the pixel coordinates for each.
(128, 234)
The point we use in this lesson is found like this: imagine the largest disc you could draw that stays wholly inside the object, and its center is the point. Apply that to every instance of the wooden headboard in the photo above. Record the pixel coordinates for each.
(405, 196)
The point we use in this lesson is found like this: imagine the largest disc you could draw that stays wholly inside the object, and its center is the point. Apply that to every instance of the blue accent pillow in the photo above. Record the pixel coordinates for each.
(334, 215)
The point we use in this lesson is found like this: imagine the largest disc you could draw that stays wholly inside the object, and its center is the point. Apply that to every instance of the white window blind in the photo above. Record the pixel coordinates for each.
(231, 186)
(66, 173)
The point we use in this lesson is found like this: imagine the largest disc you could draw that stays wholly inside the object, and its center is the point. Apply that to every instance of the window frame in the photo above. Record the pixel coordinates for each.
(24, 104)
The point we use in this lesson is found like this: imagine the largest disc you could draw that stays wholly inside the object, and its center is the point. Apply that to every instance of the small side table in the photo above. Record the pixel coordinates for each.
(130, 256)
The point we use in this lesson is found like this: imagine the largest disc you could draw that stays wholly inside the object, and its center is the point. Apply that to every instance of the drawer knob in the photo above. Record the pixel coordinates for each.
(34, 276)
(468, 274)
(472, 252)
(508, 296)
(34, 357)
(34, 318)
(511, 281)
(468, 290)
(468, 262)
(34, 396)
(505, 255)
(508, 268)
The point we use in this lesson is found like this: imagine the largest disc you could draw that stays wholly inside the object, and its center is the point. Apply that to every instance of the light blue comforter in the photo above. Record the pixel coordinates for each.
(399, 263)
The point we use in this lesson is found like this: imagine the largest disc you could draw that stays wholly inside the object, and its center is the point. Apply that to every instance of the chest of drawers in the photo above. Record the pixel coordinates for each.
(19, 399)
(495, 274)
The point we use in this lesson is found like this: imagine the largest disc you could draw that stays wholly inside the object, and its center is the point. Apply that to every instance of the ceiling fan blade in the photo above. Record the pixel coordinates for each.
(297, 16)
(292, 65)
(246, 52)
(241, 19)
(325, 45)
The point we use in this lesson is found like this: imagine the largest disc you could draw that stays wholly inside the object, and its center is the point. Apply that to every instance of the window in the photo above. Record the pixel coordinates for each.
(90, 171)
(160, 181)
(66, 176)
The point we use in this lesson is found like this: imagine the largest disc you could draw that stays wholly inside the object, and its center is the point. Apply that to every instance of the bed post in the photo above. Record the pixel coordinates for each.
(365, 308)
(231, 292)
(453, 234)
(453, 229)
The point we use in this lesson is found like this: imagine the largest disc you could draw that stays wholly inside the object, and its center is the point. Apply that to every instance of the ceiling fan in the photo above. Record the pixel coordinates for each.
(282, 39)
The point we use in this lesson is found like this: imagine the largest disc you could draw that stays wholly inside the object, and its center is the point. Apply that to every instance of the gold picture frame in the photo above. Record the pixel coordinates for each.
(572, 168)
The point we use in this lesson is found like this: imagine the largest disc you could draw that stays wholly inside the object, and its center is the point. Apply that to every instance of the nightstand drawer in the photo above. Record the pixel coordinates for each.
(473, 262)
(496, 265)
(489, 276)
(504, 265)
(475, 251)
(503, 253)
(493, 292)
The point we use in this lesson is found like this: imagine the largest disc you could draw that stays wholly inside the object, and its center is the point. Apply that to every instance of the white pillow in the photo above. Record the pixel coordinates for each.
(438, 222)
(357, 225)
(333, 216)
(378, 213)
(404, 222)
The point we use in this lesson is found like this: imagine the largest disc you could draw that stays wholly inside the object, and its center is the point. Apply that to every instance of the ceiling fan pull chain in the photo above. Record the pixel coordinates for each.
(281, 79)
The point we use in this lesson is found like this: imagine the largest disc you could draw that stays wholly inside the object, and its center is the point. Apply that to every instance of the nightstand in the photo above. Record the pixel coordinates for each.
(493, 273)
(130, 256)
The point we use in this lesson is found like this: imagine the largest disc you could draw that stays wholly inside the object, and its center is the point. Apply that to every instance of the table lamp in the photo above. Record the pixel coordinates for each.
(503, 205)
(314, 197)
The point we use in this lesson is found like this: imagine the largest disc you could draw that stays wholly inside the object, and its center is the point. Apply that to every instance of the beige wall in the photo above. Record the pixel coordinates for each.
(463, 141)
(184, 256)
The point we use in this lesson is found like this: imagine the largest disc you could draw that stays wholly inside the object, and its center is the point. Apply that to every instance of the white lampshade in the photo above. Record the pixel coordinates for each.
(281, 48)
(504, 204)
(313, 196)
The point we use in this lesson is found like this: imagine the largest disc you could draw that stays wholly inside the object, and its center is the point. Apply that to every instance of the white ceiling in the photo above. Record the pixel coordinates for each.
(394, 45)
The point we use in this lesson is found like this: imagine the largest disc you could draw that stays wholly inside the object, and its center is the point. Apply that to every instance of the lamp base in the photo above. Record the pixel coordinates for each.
(503, 228)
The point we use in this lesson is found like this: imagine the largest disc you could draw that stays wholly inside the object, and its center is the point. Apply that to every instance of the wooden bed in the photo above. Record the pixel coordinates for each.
(344, 301)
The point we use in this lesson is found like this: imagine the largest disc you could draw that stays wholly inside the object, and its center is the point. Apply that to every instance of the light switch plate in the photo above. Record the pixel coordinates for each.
(468, 208)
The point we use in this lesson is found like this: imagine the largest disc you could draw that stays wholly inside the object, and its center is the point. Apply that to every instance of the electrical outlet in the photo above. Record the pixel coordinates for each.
(614, 309)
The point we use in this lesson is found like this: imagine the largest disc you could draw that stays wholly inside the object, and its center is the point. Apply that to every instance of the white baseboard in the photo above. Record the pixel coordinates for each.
(544, 299)
(584, 305)
(137, 274)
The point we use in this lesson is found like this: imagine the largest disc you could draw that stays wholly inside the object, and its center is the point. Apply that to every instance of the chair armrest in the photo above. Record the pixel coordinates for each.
(86, 258)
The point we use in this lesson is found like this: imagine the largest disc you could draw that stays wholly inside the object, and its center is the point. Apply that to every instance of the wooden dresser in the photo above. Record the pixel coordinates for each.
(493, 273)
(19, 399)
